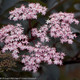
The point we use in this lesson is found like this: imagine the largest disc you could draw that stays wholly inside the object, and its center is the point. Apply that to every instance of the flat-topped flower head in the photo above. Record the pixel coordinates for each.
(13, 38)
(41, 54)
(59, 24)
(41, 33)
(30, 12)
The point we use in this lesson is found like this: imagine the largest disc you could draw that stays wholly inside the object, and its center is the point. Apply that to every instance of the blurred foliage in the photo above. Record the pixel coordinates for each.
(47, 72)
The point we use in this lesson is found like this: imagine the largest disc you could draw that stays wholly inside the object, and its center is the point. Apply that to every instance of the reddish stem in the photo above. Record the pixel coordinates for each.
(30, 26)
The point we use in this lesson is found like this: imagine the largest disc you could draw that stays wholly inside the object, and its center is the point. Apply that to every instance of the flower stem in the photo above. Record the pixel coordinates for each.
(30, 27)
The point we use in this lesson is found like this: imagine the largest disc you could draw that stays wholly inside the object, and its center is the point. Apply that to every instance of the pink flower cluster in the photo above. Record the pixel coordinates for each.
(30, 12)
(13, 38)
(41, 54)
(59, 24)
(41, 33)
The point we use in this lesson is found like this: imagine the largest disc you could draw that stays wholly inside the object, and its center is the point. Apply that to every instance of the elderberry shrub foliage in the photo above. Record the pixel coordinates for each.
(41, 34)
